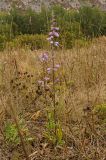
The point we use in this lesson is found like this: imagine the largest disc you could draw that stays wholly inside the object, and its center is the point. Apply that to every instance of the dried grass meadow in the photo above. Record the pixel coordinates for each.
(80, 105)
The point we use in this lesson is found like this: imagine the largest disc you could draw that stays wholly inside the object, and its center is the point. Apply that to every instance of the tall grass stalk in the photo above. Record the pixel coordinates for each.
(19, 131)
(53, 79)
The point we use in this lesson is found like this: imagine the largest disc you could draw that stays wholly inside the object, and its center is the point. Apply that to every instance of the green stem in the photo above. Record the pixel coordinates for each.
(54, 96)
(19, 132)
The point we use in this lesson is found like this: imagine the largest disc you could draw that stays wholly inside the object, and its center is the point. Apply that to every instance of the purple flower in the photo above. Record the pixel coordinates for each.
(51, 42)
(46, 78)
(55, 69)
(48, 70)
(55, 28)
(56, 34)
(56, 80)
(50, 33)
(57, 66)
(50, 38)
(56, 44)
(44, 57)
(53, 33)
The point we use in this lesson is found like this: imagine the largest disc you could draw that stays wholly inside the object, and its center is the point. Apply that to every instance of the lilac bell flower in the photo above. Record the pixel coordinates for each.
(55, 69)
(50, 33)
(44, 57)
(57, 66)
(53, 34)
(55, 28)
(51, 42)
(56, 44)
(50, 38)
(56, 34)
(46, 78)
(56, 80)
(48, 70)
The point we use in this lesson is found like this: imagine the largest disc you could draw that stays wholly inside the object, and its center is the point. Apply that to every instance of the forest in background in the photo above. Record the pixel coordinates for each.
(29, 28)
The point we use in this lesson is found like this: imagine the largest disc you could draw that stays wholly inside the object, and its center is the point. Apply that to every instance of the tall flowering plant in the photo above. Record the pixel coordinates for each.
(44, 58)
(50, 80)
(53, 35)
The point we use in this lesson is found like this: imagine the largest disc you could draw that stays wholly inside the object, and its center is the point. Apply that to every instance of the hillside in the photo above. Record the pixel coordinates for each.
(36, 4)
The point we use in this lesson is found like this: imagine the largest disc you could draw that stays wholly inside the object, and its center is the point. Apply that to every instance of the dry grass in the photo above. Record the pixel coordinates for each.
(82, 87)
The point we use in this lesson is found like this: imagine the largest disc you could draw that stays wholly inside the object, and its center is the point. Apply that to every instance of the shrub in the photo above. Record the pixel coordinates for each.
(67, 40)
(91, 20)
(2, 42)
(29, 21)
(5, 29)
(32, 41)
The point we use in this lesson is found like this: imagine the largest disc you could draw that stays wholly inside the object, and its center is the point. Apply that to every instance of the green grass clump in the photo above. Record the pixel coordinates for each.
(11, 133)
(100, 111)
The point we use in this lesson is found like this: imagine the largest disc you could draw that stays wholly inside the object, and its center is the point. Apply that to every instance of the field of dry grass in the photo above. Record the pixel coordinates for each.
(81, 87)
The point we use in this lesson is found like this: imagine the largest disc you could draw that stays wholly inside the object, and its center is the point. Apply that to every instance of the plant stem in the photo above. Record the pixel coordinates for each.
(19, 132)
(54, 97)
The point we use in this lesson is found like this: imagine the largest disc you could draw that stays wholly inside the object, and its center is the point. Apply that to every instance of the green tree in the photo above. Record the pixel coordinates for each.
(91, 20)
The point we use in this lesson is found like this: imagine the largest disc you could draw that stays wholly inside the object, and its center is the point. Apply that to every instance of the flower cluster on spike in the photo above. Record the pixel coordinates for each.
(53, 34)
(44, 58)
(56, 67)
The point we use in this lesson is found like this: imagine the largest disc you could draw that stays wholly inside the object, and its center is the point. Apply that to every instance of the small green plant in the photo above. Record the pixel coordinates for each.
(11, 133)
(55, 138)
(100, 111)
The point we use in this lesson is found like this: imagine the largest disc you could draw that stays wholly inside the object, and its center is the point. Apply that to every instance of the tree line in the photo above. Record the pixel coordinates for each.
(85, 23)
